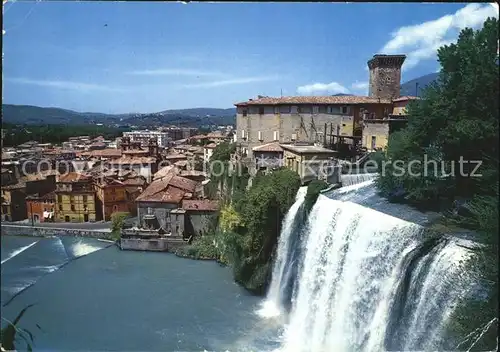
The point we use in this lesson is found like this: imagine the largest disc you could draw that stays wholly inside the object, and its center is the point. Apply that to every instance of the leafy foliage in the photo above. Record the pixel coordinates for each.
(118, 222)
(313, 191)
(9, 334)
(457, 120)
(47, 133)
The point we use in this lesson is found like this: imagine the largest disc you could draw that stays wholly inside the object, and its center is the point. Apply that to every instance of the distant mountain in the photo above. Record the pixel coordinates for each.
(26, 114)
(410, 87)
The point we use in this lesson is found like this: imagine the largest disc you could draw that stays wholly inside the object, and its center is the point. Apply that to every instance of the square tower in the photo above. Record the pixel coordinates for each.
(385, 76)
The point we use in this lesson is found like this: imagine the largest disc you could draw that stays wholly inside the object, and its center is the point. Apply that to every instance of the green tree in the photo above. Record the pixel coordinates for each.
(117, 222)
(457, 119)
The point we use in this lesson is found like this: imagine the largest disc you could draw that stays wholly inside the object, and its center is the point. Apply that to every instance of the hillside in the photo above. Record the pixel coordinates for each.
(26, 114)
(410, 87)
(193, 117)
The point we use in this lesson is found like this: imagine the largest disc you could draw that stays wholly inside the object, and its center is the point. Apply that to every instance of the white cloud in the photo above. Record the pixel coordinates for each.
(318, 88)
(83, 87)
(176, 72)
(421, 41)
(360, 85)
(230, 82)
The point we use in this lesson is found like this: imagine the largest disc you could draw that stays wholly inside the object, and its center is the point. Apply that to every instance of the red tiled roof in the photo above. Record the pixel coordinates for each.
(406, 97)
(110, 152)
(135, 151)
(211, 146)
(269, 147)
(134, 160)
(73, 177)
(343, 99)
(175, 156)
(183, 183)
(200, 205)
(169, 189)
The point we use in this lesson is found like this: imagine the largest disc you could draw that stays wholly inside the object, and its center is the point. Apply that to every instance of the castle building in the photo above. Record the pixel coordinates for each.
(318, 119)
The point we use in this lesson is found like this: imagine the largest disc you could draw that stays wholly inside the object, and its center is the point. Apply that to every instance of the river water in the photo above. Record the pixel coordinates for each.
(112, 300)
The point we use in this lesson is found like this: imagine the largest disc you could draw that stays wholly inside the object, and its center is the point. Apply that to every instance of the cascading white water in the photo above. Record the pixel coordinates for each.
(353, 179)
(370, 282)
(272, 306)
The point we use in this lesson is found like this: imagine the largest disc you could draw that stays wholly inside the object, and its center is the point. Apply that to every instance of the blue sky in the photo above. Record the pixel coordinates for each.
(117, 57)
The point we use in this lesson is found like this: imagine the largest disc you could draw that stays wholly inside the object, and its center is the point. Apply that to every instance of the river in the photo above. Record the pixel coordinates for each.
(112, 300)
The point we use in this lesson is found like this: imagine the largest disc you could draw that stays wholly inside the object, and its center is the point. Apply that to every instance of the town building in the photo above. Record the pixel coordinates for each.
(116, 191)
(75, 199)
(311, 162)
(143, 137)
(41, 207)
(163, 195)
(14, 207)
(267, 157)
(319, 119)
(208, 150)
(376, 131)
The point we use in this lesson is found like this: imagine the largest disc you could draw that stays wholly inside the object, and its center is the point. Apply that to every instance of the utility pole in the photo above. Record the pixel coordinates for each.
(32, 217)
(416, 89)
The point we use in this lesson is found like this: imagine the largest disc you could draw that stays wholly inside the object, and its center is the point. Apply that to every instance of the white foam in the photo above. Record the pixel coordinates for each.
(80, 249)
(17, 252)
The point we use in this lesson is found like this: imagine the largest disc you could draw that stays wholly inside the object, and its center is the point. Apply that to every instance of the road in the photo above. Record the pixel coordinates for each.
(106, 226)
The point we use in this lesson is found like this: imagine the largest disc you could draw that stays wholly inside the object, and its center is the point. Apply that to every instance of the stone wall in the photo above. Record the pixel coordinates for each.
(18, 230)
(199, 222)
(285, 124)
(154, 245)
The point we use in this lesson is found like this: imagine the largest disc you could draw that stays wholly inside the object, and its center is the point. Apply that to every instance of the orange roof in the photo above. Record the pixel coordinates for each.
(342, 99)
(200, 205)
(211, 146)
(406, 97)
(134, 160)
(175, 156)
(110, 152)
(73, 177)
(168, 189)
(269, 147)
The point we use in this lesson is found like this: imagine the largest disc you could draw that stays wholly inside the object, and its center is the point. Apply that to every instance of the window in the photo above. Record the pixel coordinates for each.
(315, 109)
(115, 208)
(285, 109)
(276, 135)
(261, 110)
(305, 109)
(245, 112)
(294, 136)
(276, 109)
(60, 207)
(59, 198)
(294, 109)
(243, 135)
(333, 109)
(84, 199)
(72, 207)
(344, 109)
(260, 136)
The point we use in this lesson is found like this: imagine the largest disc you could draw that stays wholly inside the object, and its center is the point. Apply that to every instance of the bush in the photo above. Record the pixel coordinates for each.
(118, 222)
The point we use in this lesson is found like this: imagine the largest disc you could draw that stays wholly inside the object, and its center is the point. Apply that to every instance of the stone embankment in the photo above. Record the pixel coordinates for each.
(21, 230)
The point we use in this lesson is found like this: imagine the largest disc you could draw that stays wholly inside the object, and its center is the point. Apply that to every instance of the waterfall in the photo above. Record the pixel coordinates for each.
(370, 281)
(352, 179)
(285, 256)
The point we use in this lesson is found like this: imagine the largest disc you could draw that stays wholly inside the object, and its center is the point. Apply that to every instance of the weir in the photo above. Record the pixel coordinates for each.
(369, 280)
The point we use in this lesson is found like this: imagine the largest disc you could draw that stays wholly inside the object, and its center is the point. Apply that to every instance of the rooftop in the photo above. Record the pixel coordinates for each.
(406, 97)
(73, 177)
(168, 189)
(307, 149)
(332, 100)
(200, 205)
(269, 147)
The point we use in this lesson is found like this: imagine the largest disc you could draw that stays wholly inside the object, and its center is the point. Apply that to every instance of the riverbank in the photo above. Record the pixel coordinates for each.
(36, 231)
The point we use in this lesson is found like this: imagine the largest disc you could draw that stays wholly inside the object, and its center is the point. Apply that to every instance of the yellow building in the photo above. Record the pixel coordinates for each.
(75, 198)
